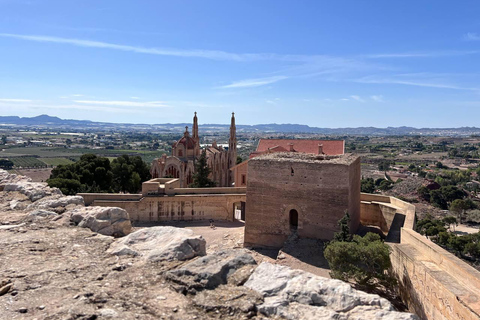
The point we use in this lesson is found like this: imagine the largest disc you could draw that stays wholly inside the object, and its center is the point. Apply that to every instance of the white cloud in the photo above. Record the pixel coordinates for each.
(16, 100)
(471, 36)
(134, 97)
(357, 98)
(150, 104)
(77, 95)
(345, 99)
(270, 102)
(254, 82)
(377, 98)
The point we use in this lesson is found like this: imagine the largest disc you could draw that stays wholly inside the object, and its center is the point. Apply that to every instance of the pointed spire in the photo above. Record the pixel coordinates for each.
(195, 127)
(186, 133)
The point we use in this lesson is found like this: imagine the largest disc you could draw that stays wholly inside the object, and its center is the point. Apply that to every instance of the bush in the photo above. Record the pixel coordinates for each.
(363, 260)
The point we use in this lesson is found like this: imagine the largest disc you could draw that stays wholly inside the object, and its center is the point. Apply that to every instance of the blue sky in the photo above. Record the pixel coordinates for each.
(322, 63)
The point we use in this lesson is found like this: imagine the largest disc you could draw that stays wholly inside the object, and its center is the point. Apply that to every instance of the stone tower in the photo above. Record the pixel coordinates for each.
(232, 149)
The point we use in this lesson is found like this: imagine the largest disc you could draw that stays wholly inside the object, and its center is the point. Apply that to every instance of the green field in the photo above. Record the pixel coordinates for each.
(27, 162)
(55, 156)
(56, 161)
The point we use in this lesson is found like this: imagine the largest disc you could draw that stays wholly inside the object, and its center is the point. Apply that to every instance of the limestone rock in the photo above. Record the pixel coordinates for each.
(161, 244)
(210, 271)
(56, 201)
(40, 214)
(108, 221)
(228, 298)
(296, 294)
(17, 205)
(33, 190)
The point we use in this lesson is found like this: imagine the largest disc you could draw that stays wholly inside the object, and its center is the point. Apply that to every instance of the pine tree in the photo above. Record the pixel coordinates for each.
(344, 234)
(200, 178)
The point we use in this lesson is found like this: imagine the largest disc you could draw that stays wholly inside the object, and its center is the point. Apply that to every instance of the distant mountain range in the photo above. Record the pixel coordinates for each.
(45, 121)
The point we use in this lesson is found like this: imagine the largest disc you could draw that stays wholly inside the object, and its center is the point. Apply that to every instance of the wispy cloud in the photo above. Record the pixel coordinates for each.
(254, 82)
(429, 54)
(149, 104)
(377, 98)
(135, 98)
(471, 36)
(16, 100)
(418, 80)
(207, 54)
(357, 98)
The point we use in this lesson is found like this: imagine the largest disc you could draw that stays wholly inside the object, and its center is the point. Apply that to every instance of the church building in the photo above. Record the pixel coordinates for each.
(186, 151)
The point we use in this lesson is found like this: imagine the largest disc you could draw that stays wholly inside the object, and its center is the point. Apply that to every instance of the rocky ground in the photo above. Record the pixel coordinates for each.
(60, 260)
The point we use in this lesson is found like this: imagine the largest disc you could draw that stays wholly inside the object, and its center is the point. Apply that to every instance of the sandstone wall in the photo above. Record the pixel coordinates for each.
(319, 190)
(179, 207)
(433, 283)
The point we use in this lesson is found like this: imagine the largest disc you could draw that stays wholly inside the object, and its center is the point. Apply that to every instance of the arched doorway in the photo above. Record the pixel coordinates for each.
(293, 219)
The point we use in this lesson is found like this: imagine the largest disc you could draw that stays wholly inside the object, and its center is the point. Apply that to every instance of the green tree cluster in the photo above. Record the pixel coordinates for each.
(442, 197)
(6, 164)
(96, 174)
(363, 260)
(367, 185)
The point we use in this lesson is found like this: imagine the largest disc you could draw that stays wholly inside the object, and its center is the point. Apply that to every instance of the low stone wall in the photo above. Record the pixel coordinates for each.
(179, 207)
(435, 284)
(89, 198)
(210, 204)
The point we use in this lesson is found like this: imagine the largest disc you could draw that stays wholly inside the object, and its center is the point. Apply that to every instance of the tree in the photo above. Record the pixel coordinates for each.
(367, 185)
(239, 160)
(450, 220)
(364, 260)
(200, 178)
(384, 165)
(344, 233)
(128, 173)
(6, 164)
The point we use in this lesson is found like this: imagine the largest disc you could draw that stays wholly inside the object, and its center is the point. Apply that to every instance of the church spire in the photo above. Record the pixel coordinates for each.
(195, 127)
(232, 149)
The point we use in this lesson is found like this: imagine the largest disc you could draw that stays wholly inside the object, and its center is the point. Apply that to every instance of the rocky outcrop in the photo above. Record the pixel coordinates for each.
(108, 221)
(296, 294)
(161, 244)
(211, 271)
(40, 214)
(33, 190)
(56, 202)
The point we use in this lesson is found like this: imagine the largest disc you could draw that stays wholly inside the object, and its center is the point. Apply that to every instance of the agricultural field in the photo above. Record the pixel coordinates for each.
(27, 162)
(56, 161)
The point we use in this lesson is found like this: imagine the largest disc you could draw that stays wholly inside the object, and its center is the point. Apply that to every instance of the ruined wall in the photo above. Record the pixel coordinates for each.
(318, 190)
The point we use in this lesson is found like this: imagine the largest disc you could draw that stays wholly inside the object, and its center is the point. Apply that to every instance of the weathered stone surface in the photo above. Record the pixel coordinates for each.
(296, 294)
(210, 271)
(17, 205)
(56, 201)
(33, 190)
(161, 244)
(40, 214)
(228, 298)
(104, 220)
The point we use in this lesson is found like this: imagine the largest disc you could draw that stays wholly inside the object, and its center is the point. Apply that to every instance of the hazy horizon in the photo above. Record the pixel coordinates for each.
(323, 64)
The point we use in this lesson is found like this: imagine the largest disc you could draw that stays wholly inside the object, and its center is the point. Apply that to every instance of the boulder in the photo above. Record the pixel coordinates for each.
(296, 294)
(56, 201)
(161, 244)
(211, 271)
(108, 221)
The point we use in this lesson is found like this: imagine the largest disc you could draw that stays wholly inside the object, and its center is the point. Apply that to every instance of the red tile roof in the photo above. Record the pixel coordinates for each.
(330, 147)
